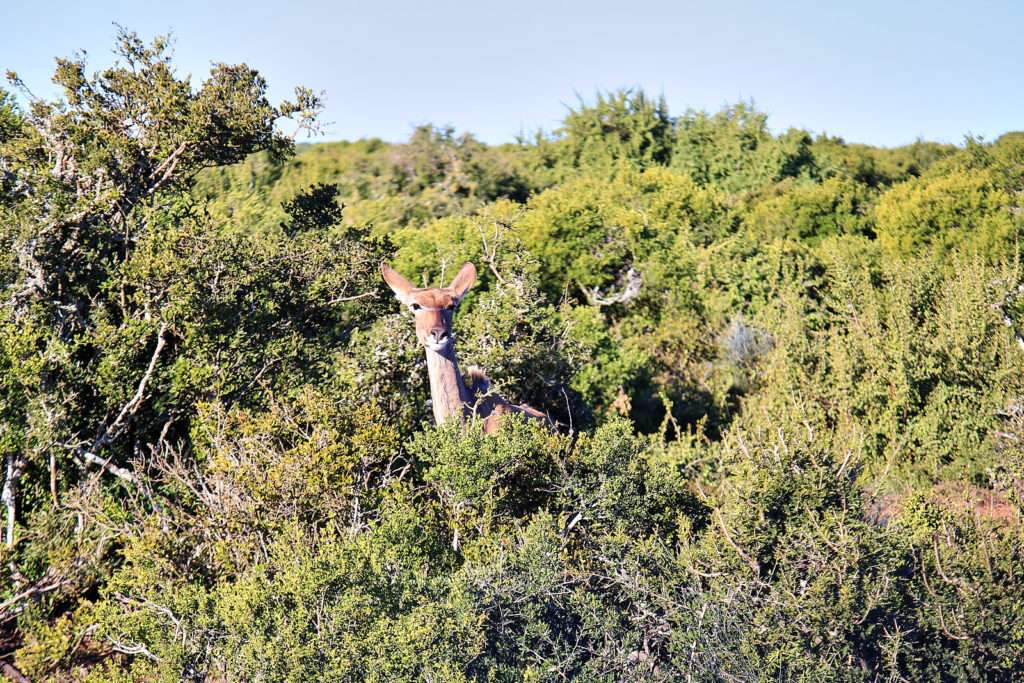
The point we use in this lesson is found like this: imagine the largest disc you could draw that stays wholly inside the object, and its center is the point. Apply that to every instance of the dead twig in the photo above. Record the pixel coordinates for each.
(12, 673)
(631, 289)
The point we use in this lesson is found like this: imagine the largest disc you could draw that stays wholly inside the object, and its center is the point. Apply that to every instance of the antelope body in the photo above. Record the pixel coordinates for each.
(433, 309)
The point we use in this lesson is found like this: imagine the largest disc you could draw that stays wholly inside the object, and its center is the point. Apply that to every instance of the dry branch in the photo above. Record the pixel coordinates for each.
(630, 290)
(12, 673)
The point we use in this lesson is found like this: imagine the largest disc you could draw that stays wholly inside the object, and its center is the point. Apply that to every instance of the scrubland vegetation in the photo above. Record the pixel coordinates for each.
(788, 372)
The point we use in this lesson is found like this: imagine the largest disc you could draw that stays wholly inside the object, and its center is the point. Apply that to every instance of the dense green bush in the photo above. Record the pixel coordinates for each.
(785, 375)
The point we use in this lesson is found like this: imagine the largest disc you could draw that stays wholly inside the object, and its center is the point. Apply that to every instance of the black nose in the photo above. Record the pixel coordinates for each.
(439, 334)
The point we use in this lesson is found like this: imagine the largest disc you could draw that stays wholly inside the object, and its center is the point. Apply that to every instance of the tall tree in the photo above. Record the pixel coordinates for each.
(124, 308)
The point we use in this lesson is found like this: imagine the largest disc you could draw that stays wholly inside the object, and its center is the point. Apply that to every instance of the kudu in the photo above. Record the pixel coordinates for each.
(433, 309)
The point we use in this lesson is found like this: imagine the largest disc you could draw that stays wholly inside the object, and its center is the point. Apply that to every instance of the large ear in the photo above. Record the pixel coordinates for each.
(464, 279)
(398, 284)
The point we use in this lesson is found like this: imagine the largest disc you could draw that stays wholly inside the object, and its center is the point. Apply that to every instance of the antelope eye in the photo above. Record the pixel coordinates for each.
(415, 307)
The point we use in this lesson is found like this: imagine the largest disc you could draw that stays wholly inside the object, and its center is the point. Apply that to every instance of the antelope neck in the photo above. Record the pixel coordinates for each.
(447, 390)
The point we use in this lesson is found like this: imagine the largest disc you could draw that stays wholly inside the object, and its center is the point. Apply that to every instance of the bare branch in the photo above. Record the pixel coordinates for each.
(133, 404)
(754, 565)
(133, 649)
(119, 472)
(630, 290)
(14, 468)
(490, 250)
(13, 674)
(341, 299)
(1008, 321)
(46, 584)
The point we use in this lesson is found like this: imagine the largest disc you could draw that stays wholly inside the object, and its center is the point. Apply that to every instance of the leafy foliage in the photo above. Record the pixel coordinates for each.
(786, 372)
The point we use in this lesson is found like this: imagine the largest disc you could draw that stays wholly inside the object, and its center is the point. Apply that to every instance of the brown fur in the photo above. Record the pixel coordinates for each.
(433, 309)
(479, 382)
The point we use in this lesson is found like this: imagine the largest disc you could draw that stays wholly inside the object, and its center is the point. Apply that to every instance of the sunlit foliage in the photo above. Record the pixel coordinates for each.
(785, 374)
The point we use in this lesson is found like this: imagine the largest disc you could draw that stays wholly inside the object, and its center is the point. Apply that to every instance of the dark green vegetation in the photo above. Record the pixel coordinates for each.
(791, 368)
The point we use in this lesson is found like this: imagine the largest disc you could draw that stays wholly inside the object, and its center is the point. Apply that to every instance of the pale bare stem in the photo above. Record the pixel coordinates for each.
(821, 534)
(170, 162)
(149, 604)
(630, 290)
(754, 565)
(342, 299)
(1000, 306)
(490, 249)
(87, 452)
(165, 171)
(958, 584)
(133, 404)
(119, 472)
(401, 475)
(446, 260)
(847, 456)
(47, 583)
(568, 411)
(942, 620)
(308, 116)
(132, 649)
(743, 446)
(53, 479)
(15, 466)
(1017, 336)
(12, 673)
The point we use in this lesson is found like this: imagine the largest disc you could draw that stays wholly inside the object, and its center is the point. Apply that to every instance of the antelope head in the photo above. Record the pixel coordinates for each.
(432, 307)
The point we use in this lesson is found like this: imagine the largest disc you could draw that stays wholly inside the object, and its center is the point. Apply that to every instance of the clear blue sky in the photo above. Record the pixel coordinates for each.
(882, 73)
